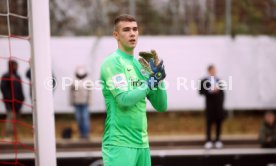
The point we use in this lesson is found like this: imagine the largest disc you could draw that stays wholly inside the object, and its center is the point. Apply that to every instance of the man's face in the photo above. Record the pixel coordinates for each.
(13, 67)
(126, 34)
(212, 71)
(269, 118)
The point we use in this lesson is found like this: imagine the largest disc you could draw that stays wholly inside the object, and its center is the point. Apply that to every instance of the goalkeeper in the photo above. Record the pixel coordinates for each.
(126, 85)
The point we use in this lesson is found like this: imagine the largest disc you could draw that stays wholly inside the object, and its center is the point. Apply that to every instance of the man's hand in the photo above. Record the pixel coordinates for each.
(145, 64)
(215, 89)
(158, 74)
(269, 139)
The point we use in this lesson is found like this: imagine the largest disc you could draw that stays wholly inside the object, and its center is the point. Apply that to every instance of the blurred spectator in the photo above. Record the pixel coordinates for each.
(29, 76)
(80, 93)
(214, 111)
(11, 88)
(267, 133)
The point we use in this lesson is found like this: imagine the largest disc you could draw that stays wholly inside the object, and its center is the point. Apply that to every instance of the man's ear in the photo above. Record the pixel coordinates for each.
(115, 34)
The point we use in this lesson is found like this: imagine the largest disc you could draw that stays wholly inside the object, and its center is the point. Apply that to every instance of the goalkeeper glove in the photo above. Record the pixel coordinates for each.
(148, 55)
(145, 59)
(158, 74)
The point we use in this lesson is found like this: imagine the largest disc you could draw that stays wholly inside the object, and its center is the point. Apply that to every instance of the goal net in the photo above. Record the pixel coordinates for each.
(26, 104)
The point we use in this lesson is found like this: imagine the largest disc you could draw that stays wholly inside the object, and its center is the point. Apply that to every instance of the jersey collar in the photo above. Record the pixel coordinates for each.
(123, 54)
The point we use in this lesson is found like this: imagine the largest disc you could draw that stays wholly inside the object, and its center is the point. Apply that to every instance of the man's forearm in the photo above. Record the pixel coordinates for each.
(130, 98)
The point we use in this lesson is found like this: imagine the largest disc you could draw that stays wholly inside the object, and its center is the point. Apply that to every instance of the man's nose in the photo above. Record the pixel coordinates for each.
(132, 32)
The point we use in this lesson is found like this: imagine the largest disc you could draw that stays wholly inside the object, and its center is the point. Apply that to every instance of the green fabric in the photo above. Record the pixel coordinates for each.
(266, 131)
(158, 98)
(123, 156)
(130, 98)
(125, 95)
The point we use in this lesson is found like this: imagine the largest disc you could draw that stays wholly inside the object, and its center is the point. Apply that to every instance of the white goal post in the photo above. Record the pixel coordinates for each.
(44, 124)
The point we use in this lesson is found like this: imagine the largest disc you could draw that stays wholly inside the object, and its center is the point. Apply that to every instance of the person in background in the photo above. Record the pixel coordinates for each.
(29, 76)
(267, 135)
(11, 88)
(80, 94)
(214, 111)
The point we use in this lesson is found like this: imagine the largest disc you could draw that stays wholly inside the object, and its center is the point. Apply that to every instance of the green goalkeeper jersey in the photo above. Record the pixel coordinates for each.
(125, 92)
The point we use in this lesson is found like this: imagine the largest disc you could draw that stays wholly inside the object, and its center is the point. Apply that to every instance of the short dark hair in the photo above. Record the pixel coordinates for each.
(12, 63)
(12, 66)
(210, 67)
(123, 17)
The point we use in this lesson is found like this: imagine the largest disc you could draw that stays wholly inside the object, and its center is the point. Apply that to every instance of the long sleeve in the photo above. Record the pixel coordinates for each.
(18, 86)
(158, 98)
(71, 98)
(3, 87)
(202, 90)
(130, 98)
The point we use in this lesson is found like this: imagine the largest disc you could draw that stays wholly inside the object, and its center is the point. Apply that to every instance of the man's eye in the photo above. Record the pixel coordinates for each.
(135, 29)
(125, 30)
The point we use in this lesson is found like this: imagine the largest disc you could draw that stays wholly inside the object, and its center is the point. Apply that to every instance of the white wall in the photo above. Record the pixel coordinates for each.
(249, 61)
